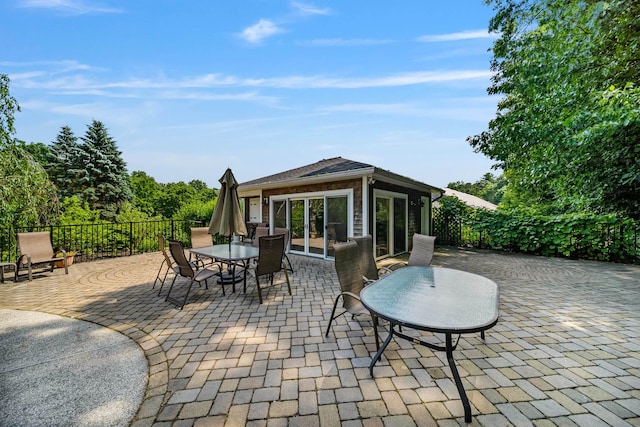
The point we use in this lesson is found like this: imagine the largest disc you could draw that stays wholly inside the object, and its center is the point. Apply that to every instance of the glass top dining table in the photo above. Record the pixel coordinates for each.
(439, 300)
(233, 255)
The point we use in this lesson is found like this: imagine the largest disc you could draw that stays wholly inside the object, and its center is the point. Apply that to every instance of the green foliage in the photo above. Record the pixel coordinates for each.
(489, 187)
(65, 163)
(105, 182)
(8, 107)
(27, 197)
(196, 211)
(582, 235)
(567, 129)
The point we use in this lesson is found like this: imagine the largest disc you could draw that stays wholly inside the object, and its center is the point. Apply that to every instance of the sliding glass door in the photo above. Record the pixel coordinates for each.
(316, 222)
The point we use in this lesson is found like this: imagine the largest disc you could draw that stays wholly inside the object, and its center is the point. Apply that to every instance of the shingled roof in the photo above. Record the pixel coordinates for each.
(334, 169)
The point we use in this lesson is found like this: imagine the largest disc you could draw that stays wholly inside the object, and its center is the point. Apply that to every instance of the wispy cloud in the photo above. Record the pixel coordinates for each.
(308, 9)
(83, 82)
(344, 42)
(462, 35)
(70, 7)
(260, 31)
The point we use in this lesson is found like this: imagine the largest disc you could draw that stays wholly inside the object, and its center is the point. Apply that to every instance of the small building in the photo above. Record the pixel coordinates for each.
(333, 199)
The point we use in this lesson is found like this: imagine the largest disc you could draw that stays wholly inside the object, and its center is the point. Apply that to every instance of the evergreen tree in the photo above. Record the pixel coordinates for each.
(104, 183)
(64, 164)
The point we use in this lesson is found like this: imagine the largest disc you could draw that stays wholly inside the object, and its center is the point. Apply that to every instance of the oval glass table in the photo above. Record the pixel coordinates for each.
(439, 300)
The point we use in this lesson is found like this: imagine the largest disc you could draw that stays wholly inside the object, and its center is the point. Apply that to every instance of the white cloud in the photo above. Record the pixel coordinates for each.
(71, 7)
(258, 32)
(308, 9)
(463, 35)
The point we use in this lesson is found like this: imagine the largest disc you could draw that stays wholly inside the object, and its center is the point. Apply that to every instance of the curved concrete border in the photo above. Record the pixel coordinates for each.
(57, 370)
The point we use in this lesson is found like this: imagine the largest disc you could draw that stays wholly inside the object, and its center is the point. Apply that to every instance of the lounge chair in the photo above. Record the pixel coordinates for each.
(35, 248)
(185, 269)
(270, 262)
(347, 264)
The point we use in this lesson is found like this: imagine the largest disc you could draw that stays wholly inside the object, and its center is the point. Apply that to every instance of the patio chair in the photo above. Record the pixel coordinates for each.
(200, 238)
(347, 264)
(260, 231)
(168, 263)
(185, 269)
(35, 249)
(270, 262)
(422, 252)
(367, 262)
(285, 231)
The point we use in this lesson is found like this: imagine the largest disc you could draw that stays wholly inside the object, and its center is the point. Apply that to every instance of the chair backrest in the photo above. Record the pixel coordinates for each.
(36, 244)
(271, 250)
(260, 231)
(177, 252)
(162, 243)
(200, 237)
(285, 231)
(422, 252)
(367, 261)
(347, 266)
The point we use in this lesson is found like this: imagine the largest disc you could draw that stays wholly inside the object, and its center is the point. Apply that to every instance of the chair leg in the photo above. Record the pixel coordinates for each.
(170, 287)
(288, 262)
(333, 312)
(375, 330)
(158, 275)
(259, 289)
(286, 275)
(482, 335)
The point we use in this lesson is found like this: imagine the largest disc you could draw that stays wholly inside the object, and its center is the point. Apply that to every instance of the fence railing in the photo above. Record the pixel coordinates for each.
(102, 240)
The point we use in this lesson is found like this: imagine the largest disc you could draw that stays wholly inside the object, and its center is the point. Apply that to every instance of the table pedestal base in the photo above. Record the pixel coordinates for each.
(448, 349)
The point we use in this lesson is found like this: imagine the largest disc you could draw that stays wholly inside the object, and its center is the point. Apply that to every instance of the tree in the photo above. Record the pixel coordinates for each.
(27, 197)
(567, 130)
(489, 187)
(64, 163)
(8, 107)
(146, 192)
(104, 181)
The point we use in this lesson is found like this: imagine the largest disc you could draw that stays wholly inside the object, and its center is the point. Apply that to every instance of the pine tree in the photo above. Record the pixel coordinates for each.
(105, 183)
(64, 164)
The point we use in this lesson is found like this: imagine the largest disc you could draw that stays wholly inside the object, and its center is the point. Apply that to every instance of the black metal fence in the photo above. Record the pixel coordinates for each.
(102, 240)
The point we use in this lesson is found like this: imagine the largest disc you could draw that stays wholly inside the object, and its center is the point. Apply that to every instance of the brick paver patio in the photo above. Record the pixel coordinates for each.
(565, 352)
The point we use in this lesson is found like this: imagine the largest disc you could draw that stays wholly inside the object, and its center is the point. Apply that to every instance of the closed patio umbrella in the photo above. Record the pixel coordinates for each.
(227, 218)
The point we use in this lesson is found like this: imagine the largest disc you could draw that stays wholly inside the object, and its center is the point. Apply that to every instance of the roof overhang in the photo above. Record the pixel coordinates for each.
(370, 172)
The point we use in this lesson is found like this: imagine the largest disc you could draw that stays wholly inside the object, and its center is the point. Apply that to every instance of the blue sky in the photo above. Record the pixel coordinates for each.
(189, 88)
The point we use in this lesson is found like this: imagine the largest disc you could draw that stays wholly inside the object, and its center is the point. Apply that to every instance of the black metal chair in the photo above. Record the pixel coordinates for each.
(347, 264)
(186, 269)
(270, 262)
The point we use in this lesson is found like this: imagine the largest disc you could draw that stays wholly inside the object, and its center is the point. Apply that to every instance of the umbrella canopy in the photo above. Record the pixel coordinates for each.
(227, 218)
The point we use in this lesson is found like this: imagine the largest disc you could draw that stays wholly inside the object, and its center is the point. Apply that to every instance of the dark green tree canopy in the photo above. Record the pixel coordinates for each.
(104, 180)
(567, 129)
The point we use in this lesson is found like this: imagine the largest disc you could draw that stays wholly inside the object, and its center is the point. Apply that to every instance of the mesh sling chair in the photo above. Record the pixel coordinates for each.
(347, 264)
(186, 269)
(285, 231)
(422, 251)
(367, 262)
(167, 264)
(35, 248)
(270, 262)
(200, 238)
